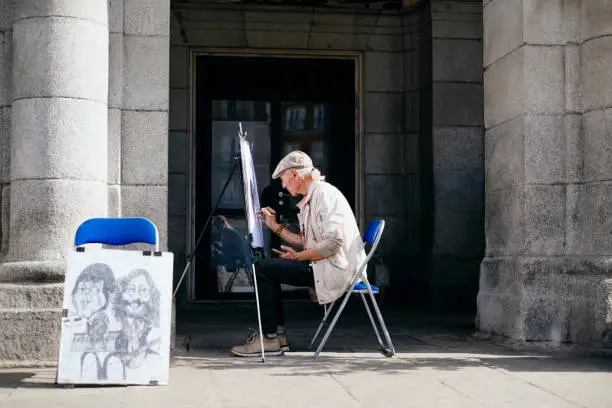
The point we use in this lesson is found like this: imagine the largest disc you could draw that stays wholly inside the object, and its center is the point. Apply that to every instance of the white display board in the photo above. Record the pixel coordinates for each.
(251, 196)
(116, 318)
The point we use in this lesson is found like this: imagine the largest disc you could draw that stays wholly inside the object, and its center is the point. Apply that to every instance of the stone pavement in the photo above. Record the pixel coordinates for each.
(434, 368)
(440, 363)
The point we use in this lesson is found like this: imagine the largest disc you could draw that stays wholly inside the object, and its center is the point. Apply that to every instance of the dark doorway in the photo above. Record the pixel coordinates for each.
(285, 104)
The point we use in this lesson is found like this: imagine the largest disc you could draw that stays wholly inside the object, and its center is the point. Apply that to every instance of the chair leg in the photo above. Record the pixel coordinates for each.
(374, 326)
(391, 351)
(332, 324)
(326, 313)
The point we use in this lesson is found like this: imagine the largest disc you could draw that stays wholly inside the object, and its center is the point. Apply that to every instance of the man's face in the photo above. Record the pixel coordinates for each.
(290, 181)
(136, 297)
(89, 298)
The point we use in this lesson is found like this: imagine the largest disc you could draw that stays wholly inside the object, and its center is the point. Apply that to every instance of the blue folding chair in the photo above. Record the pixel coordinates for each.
(117, 231)
(372, 237)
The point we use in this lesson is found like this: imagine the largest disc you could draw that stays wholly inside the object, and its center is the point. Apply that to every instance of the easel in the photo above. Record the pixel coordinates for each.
(256, 253)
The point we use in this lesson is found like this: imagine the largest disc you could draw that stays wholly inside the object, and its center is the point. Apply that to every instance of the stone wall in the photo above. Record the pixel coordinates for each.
(83, 133)
(138, 111)
(389, 149)
(546, 276)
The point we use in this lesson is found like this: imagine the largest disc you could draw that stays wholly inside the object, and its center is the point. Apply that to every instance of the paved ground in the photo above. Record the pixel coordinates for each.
(438, 365)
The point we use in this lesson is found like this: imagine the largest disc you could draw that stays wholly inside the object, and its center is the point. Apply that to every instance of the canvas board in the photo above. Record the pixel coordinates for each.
(116, 318)
(251, 195)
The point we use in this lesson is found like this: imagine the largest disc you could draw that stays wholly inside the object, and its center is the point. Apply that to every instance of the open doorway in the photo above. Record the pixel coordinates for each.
(284, 104)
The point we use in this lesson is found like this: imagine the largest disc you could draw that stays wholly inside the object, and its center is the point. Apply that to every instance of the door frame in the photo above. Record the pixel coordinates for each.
(191, 235)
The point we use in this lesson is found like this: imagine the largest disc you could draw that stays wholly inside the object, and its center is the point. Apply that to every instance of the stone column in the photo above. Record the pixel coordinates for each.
(547, 161)
(58, 162)
(457, 140)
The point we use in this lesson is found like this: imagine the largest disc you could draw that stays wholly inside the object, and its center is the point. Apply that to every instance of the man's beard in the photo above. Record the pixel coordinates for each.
(138, 309)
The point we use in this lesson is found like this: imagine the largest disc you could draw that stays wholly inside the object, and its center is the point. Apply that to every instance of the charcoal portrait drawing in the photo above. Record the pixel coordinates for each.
(118, 317)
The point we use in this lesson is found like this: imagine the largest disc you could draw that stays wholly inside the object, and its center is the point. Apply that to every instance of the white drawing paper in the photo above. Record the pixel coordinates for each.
(251, 195)
(116, 318)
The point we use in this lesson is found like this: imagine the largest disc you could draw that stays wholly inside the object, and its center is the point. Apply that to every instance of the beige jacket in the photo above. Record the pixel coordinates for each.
(328, 224)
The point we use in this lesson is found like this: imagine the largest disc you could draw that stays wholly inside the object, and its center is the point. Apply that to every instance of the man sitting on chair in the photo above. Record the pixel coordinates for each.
(329, 251)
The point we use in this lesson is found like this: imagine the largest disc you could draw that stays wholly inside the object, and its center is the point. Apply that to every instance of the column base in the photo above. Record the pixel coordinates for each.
(33, 271)
(30, 317)
(552, 300)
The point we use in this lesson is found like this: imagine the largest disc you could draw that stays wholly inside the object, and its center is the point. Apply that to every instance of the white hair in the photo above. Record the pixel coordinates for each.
(312, 172)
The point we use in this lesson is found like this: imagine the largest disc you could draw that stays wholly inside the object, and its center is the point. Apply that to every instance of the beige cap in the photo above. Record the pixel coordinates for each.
(294, 160)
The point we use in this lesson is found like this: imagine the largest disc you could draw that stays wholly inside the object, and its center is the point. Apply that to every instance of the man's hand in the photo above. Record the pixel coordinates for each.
(289, 253)
(268, 215)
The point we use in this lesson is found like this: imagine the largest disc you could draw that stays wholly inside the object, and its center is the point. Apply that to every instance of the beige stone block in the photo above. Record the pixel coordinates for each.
(383, 112)
(147, 17)
(504, 91)
(596, 63)
(503, 29)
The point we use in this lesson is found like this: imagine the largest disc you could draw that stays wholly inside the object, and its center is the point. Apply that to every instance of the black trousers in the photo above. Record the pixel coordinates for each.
(271, 273)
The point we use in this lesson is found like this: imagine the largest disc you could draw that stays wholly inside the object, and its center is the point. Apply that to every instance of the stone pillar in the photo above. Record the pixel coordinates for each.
(547, 162)
(457, 139)
(58, 162)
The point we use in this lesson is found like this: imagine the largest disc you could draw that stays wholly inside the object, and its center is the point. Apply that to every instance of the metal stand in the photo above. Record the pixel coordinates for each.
(258, 252)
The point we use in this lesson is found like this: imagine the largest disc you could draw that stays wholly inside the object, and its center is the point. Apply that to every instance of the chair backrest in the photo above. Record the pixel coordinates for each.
(372, 237)
(117, 231)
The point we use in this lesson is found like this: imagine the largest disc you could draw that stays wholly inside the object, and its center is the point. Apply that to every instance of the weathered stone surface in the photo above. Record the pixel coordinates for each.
(545, 149)
(30, 296)
(596, 17)
(30, 335)
(144, 147)
(504, 227)
(115, 70)
(393, 237)
(384, 153)
(146, 68)
(114, 146)
(383, 71)
(573, 95)
(147, 17)
(597, 59)
(58, 56)
(7, 14)
(59, 138)
(544, 77)
(5, 214)
(543, 21)
(383, 112)
(598, 145)
(114, 201)
(457, 60)
(150, 202)
(45, 214)
(5, 144)
(33, 271)
(96, 10)
(115, 16)
(545, 219)
(6, 64)
(548, 299)
(503, 28)
(505, 77)
(504, 155)
(574, 146)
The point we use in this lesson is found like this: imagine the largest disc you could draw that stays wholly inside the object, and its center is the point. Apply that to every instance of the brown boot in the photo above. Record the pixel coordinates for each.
(252, 347)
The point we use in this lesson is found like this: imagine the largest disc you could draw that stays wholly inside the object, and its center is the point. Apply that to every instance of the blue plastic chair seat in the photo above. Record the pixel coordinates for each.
(361, 287)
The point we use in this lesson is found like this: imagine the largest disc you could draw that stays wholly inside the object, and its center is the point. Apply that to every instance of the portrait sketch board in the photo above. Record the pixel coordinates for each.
(116, 318)
(251, 195)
